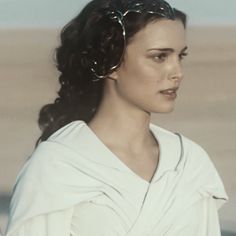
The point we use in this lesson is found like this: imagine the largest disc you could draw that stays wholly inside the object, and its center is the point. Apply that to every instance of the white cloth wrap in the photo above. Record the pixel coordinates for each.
(73, 174)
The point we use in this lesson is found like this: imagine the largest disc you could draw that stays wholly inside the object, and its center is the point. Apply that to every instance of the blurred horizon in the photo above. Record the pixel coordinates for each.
(51, 13)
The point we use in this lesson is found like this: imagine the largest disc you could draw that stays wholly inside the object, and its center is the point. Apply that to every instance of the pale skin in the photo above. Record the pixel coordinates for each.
(152, 63)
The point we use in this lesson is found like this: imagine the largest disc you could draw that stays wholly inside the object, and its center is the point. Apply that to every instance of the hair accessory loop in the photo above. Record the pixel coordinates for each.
(117, 13)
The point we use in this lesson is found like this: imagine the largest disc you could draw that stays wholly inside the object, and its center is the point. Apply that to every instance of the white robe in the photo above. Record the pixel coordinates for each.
(73, 185)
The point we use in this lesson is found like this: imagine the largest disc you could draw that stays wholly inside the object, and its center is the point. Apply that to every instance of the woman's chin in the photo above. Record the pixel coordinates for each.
(166, 109)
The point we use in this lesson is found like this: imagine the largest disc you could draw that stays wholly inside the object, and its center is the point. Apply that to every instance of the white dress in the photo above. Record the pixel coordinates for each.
(73, 185)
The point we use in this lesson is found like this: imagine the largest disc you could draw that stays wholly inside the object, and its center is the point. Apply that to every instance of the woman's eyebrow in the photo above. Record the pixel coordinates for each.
(184, 49)
(168, 49)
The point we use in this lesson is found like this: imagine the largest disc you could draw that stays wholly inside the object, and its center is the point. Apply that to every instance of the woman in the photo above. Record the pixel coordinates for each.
(101, 168)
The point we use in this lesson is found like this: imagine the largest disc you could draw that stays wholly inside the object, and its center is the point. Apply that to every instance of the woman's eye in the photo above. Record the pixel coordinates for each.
(182, 55)
(160, 57)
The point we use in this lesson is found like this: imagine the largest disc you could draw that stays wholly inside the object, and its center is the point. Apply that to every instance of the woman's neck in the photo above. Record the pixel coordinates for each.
(126, 128)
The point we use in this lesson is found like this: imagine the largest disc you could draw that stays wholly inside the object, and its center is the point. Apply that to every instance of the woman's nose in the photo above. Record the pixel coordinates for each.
(177, 71)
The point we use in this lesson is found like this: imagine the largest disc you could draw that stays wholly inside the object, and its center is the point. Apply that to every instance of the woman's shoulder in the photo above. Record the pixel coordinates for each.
(197, 166)
(68, 131)
(193, 152)
(187, 142)
(48, 161)
(48, 152)
(66, 137)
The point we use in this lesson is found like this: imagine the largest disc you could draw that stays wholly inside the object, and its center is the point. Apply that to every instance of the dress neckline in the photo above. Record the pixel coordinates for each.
(122, 164)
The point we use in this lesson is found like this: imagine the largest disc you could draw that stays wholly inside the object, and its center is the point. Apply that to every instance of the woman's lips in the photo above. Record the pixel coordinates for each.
(170, 93)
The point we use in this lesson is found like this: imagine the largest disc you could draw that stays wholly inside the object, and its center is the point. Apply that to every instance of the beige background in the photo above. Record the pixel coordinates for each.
(205, 109)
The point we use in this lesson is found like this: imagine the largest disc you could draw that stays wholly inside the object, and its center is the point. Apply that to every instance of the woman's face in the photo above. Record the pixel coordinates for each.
(152, 63)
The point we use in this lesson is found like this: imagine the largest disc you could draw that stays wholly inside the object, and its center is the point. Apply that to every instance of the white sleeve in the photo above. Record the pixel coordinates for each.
(199, 220)
(208, 223)
(55, 223)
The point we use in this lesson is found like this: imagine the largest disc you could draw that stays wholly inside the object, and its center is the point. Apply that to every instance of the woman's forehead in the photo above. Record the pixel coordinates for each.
(161, 33)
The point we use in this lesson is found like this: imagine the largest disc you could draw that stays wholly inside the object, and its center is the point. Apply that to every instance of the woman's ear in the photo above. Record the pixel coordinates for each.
(113, 75)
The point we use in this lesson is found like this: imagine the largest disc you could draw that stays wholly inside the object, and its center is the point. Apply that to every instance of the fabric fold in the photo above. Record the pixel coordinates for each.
(74, 167)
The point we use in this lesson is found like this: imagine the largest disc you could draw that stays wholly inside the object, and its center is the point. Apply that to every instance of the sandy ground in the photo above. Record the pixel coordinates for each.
(205, 110)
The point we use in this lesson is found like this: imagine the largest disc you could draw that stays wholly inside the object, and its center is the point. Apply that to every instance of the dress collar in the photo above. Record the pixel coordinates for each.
(80, 137)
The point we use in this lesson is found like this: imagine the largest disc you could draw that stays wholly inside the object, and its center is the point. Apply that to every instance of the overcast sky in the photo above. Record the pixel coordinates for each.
(55, 13)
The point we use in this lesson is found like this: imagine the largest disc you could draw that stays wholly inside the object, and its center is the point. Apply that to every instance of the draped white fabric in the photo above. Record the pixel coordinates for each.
(73, 185)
